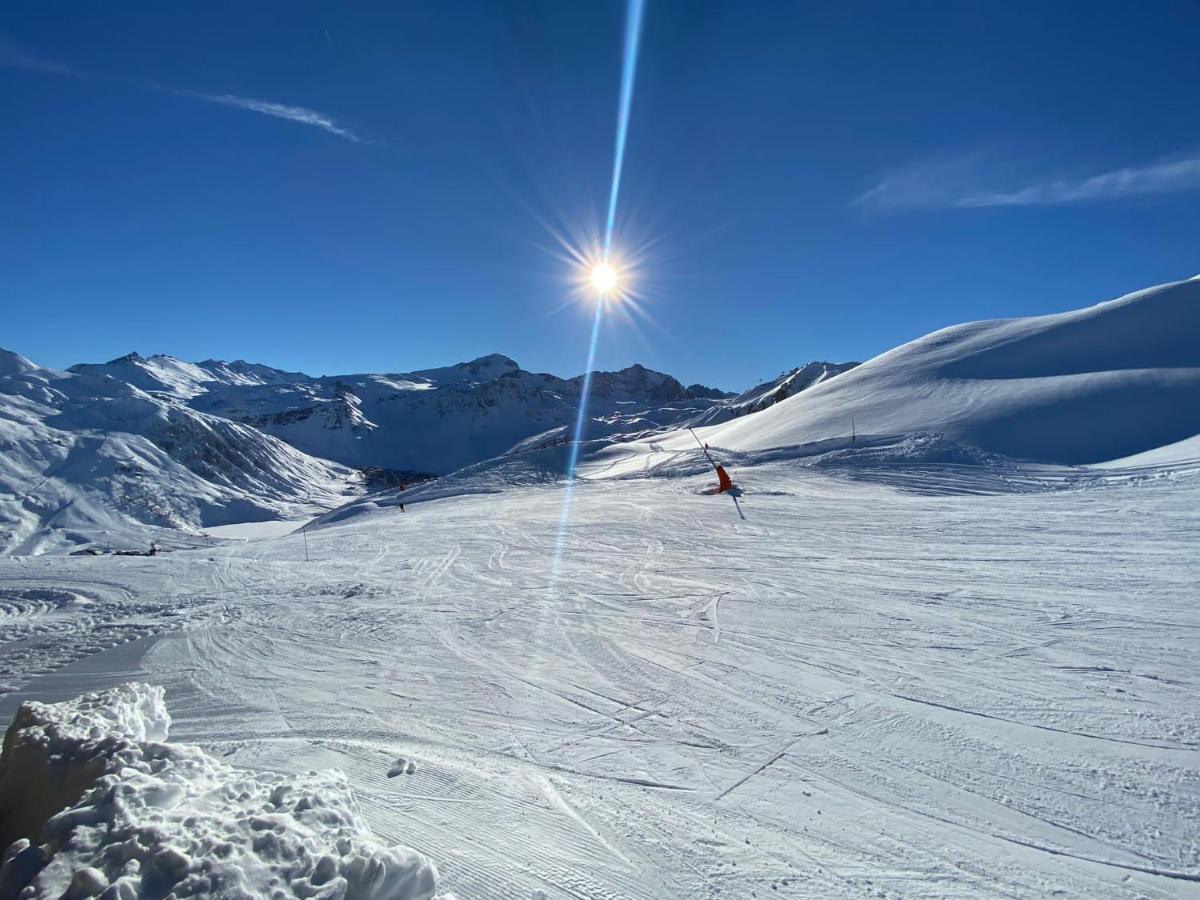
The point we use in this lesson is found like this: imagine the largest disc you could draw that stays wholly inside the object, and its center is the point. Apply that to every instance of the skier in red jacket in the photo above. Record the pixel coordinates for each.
(725, 482)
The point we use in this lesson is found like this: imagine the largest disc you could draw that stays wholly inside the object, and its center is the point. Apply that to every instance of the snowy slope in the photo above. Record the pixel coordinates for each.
(855, 693)
(1081, 387)
(90, 459)
(759, 397)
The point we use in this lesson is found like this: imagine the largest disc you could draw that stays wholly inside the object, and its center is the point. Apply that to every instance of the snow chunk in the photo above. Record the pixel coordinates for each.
(402, 766)
(120, 813)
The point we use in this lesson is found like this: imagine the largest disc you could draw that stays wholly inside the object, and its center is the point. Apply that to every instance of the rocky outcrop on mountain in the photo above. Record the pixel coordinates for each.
(769, 393)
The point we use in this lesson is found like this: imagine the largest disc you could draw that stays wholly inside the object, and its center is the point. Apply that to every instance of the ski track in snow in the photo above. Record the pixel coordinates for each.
(857, 692)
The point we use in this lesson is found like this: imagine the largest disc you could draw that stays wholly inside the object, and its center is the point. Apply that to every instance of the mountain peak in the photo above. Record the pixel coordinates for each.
(490, 361)
(14, 363)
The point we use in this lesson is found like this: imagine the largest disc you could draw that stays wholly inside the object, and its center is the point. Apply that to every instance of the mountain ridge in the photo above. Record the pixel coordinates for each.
(430, 420)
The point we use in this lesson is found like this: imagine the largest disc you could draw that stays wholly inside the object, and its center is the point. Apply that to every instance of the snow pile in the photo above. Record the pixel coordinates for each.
(1077, 388)
(93, 803)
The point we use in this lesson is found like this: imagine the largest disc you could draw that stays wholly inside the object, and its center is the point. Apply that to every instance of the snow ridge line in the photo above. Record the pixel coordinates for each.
(770, 762)
(1095, 737)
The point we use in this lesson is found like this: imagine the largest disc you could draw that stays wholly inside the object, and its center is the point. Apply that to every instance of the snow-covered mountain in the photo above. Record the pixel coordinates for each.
(169, 377)
(114, 454)
(1075, 388)
(90, 458)
(430, 421)
(759, 397)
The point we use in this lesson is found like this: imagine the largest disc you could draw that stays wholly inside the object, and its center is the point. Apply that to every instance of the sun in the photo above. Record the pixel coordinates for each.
(604, 278)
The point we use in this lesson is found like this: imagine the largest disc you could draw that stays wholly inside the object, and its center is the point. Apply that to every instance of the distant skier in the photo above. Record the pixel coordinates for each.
(153, 549)
(402, 502)
(725, 482)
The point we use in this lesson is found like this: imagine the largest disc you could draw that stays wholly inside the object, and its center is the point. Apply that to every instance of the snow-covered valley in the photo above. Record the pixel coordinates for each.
(950, 654)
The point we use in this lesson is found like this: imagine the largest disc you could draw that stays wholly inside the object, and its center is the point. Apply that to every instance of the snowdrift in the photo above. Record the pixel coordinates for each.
(1076, 388)
(93, 802)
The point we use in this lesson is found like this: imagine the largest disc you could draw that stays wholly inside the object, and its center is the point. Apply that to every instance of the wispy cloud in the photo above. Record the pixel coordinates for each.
(14, 56)
(299, 114)
(974, 182)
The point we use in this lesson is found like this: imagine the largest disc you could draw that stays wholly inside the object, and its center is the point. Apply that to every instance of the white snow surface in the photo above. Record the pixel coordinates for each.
(929, 684)
(94, 802)
(1081, 387)
(88, 460)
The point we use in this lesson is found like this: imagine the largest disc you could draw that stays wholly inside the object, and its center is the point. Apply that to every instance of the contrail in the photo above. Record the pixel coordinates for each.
(633, 36)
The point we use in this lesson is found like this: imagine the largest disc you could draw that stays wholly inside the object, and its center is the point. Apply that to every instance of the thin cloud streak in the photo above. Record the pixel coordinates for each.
(14, 56)
(954, 184)
(299, 114)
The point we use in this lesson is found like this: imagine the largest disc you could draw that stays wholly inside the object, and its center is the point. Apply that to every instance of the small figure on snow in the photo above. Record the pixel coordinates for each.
(725, 483)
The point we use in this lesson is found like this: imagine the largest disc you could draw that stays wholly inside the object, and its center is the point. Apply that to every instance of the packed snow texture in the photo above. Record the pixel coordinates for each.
(44, 627)
(927, 684)
(93, 802)
(1088, 386)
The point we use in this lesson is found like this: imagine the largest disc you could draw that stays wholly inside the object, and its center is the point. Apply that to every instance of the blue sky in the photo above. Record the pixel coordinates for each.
(381, 187)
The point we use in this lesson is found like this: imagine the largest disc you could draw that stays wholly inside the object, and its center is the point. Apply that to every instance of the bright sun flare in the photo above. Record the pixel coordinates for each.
(604, 278)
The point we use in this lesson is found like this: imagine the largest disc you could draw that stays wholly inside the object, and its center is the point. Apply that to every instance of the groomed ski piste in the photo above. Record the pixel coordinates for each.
(954, 655)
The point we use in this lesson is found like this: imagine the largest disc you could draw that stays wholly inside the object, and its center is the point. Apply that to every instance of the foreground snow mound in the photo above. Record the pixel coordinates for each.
(93, 803)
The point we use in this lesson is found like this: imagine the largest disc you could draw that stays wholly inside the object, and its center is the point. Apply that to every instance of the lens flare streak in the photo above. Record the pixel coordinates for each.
(603, 275)
(576, 438)
(633, 36)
